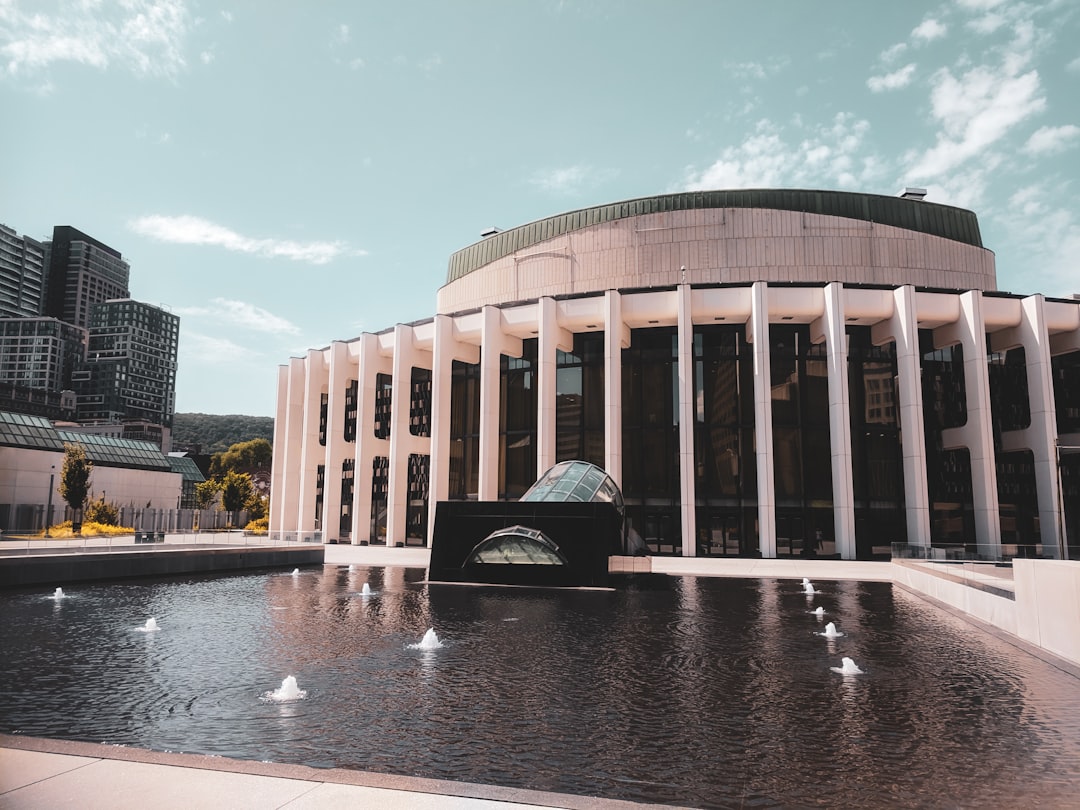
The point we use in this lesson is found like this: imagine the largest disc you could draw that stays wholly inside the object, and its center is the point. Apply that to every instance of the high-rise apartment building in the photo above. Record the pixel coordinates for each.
(22, 275)
(130, 367)
(39, 353)
(81, 272)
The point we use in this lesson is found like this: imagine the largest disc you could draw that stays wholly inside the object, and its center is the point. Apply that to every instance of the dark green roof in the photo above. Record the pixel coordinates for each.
(38, 433)
(946, 221)
(110, 451)
(187, 467)
(31, 432)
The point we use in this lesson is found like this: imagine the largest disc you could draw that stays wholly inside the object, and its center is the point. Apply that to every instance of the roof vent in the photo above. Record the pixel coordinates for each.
(490, 232)
(913, 193)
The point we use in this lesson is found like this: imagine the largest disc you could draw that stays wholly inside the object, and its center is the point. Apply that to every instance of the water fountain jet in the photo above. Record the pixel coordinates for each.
(366, 590)
(430, 641)
(849, 668)
(58, 593)
(832, 632)
(150, 626)
(289, 691)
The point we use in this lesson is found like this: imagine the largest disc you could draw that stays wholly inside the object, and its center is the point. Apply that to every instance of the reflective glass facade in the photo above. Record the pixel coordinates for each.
(876, 452)
(579, 400)
(726, 476)
(650, 437)
(517, 421)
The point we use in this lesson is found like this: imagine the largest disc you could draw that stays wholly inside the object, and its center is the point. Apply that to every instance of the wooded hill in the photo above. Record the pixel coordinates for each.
(216, 433)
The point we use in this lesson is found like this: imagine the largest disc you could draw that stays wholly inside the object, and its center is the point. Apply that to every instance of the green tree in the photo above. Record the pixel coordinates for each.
(205, 491)
(103, 512)
(75, 479)
(236, 490)
(242, 457)
(256, 506)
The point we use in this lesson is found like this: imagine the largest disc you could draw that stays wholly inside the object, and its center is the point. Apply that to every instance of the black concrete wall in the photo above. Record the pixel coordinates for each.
(586, 534)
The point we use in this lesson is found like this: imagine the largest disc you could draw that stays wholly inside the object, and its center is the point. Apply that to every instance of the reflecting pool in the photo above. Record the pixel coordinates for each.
(694, 691)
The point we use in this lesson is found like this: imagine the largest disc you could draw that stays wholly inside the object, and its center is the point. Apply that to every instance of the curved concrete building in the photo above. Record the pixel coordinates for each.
(762, 372)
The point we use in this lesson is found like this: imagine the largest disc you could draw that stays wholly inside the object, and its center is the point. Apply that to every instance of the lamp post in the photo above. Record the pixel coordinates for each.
(48, 509)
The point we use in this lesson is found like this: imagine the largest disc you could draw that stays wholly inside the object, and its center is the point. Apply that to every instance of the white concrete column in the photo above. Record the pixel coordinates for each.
(977, 435)
(297, 441)
(903, 329)
(616, 338)
(371, 363)
(447, 348)
(830, 328)
(337, 449)
(281, 453)
(552, 338)
(1041, 436)
(314, 453)
(757, 334)
(400, 443)
(490, 403)
(442, 378)
(687, 483)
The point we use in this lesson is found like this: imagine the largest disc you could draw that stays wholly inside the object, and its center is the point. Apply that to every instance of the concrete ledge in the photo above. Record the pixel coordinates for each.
(58, 569)
(993, 608)
(1048, 605)
(983, 577)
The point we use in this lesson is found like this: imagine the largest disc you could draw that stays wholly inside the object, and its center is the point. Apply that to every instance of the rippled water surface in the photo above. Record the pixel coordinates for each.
(697, 691)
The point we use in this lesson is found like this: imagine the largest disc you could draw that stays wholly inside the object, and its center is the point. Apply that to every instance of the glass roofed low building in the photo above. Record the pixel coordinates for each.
(575, 481)
(516, 545)
(125, 472)
(769, 372)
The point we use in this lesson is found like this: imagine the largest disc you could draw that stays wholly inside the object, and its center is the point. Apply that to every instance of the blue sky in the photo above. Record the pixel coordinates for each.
(281, 175)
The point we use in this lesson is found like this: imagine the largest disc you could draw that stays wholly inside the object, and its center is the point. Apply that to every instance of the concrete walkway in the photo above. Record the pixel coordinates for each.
(38, 774)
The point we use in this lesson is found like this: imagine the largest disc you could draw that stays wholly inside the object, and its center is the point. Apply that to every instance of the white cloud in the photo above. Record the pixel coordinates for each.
(892, 81)
(756, 70)
(987, 23)
(979, 5)
(966, 187)
(1048, 238)
(747, 70)
(227, 16)
(893, 53)
(243, 314)
(212, 351)
(1074, 65)
(823, 156)
(144, 36)
(206, 57)
(342, 36)
(571, 179)
(979, 107)
(929, 30)
(189, 230)
(1047, 140)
